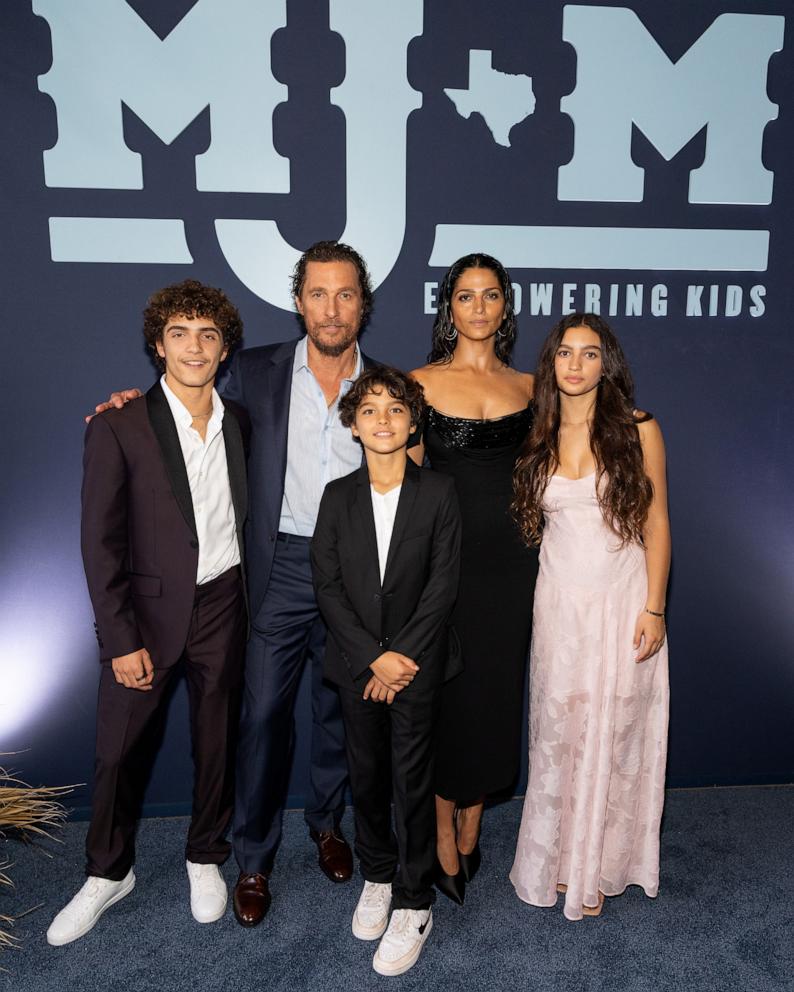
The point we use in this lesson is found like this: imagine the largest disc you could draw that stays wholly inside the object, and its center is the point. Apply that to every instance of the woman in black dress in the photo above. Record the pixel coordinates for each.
(478, 417)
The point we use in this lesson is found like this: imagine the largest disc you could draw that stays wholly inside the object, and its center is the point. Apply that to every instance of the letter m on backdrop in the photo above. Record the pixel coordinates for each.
(624, 78)
(217, 56)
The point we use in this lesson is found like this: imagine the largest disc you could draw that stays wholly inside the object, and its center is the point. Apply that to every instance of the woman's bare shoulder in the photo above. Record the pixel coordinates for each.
(527, 381)
(425, 373)
(648, 428)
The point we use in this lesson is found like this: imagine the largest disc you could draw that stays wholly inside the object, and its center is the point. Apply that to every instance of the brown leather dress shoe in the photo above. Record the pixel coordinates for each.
(251, 899)
(335, 856)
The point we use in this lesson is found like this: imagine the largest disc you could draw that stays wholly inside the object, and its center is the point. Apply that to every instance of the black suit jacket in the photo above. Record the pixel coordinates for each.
(408, 612)
(138, 532)
(260, 381)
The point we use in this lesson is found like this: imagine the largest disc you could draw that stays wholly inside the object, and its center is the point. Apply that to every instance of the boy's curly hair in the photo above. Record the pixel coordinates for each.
(396, 383)
(190, 299)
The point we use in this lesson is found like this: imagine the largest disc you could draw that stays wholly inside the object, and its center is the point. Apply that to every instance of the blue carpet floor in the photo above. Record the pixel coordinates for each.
(723, 919)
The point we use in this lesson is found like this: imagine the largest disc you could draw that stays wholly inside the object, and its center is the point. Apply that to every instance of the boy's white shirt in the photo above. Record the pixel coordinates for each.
(384, 510)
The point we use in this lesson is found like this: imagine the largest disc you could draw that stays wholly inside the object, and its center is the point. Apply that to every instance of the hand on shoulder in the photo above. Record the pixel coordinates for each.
(117, 401)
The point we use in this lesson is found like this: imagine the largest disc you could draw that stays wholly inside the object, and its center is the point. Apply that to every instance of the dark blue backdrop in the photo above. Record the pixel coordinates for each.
(365, 143)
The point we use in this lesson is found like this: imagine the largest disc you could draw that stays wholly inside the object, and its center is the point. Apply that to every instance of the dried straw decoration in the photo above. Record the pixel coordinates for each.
(26, 812)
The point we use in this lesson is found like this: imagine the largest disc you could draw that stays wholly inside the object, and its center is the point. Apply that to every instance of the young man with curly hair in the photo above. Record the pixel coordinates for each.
(385, 557)
(163, 507)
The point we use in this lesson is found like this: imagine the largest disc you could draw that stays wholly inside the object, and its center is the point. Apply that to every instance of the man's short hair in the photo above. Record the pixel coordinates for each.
(396, 383)
(190, 299)
(335, 251)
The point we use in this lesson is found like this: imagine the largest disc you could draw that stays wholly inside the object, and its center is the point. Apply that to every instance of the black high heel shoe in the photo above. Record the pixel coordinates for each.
(470, 863)
(452, 886)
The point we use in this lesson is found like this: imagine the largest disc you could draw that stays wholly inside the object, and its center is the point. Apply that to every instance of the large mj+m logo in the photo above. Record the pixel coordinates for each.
(623, 78)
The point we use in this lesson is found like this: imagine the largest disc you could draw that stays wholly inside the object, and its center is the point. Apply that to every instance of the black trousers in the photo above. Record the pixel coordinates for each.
(129, 728)
(391, 753)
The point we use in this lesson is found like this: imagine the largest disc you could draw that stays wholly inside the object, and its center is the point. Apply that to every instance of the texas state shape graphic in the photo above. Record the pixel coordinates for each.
(503, 99)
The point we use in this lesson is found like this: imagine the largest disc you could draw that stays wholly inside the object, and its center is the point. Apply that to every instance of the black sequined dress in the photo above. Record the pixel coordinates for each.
(479, 736)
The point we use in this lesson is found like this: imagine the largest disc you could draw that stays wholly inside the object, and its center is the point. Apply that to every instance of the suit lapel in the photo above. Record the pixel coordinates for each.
(405, 506)
(278, 390)
(164, 428)
(366, 519)
(235, 464)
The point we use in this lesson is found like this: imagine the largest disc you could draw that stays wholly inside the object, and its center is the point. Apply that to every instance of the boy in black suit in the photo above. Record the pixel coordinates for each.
(385, 558)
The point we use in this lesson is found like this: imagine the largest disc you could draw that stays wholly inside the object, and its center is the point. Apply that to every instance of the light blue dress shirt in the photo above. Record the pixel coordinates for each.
(319, 448)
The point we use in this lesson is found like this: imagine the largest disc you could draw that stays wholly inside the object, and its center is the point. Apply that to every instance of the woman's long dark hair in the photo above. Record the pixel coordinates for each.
(624, 490)
(444, 341)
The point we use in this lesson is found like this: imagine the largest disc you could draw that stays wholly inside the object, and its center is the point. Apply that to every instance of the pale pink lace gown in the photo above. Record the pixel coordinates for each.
(598, 720)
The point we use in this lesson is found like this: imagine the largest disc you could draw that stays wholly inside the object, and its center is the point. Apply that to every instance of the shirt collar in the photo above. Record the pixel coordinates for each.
(301, 361)
(180, 412)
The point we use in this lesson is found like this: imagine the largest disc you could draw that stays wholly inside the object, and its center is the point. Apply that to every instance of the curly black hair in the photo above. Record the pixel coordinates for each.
(190, 299)
(335, 251)
(396, 383)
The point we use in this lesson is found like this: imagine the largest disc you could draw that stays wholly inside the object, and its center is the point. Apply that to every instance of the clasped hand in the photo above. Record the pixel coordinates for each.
(135, 670)
(392, 673)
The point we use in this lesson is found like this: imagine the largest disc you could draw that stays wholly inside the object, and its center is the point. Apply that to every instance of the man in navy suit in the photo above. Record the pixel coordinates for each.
(291, 392)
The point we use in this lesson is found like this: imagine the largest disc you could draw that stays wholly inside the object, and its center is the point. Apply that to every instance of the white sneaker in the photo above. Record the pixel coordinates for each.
(402, 943)
(372, 911)
(78, 916)
(207, 892)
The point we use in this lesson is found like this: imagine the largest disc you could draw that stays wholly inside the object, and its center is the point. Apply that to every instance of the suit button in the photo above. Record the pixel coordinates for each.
(194, 544)
(377, 596)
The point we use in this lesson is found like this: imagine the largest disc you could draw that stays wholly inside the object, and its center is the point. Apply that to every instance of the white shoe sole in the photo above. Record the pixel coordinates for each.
(215, 916)
(369, 933)
(56, 942)
(407, 961)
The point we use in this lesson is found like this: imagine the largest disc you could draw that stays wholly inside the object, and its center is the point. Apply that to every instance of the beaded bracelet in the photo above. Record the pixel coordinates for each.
(653, 613)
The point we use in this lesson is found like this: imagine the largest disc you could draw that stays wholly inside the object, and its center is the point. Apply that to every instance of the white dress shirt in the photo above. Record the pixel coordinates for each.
(319, 448)
(384, 509)
(210, 490)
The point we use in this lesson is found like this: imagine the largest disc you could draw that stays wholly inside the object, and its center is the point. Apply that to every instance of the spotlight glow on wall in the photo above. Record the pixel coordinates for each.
(29, 679)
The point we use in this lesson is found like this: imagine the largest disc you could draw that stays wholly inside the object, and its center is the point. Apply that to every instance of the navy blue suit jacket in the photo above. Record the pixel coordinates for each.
(260, 380)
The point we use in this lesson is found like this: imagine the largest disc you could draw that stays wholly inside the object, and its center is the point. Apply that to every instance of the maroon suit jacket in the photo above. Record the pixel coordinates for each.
(138, 534)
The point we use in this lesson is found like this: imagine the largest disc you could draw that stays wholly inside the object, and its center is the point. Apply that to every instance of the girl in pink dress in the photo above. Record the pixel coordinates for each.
(591, 483)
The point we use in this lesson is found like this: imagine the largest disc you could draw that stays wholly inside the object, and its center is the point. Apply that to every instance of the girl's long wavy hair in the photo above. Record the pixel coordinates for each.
(443, 343)
(624, 490)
